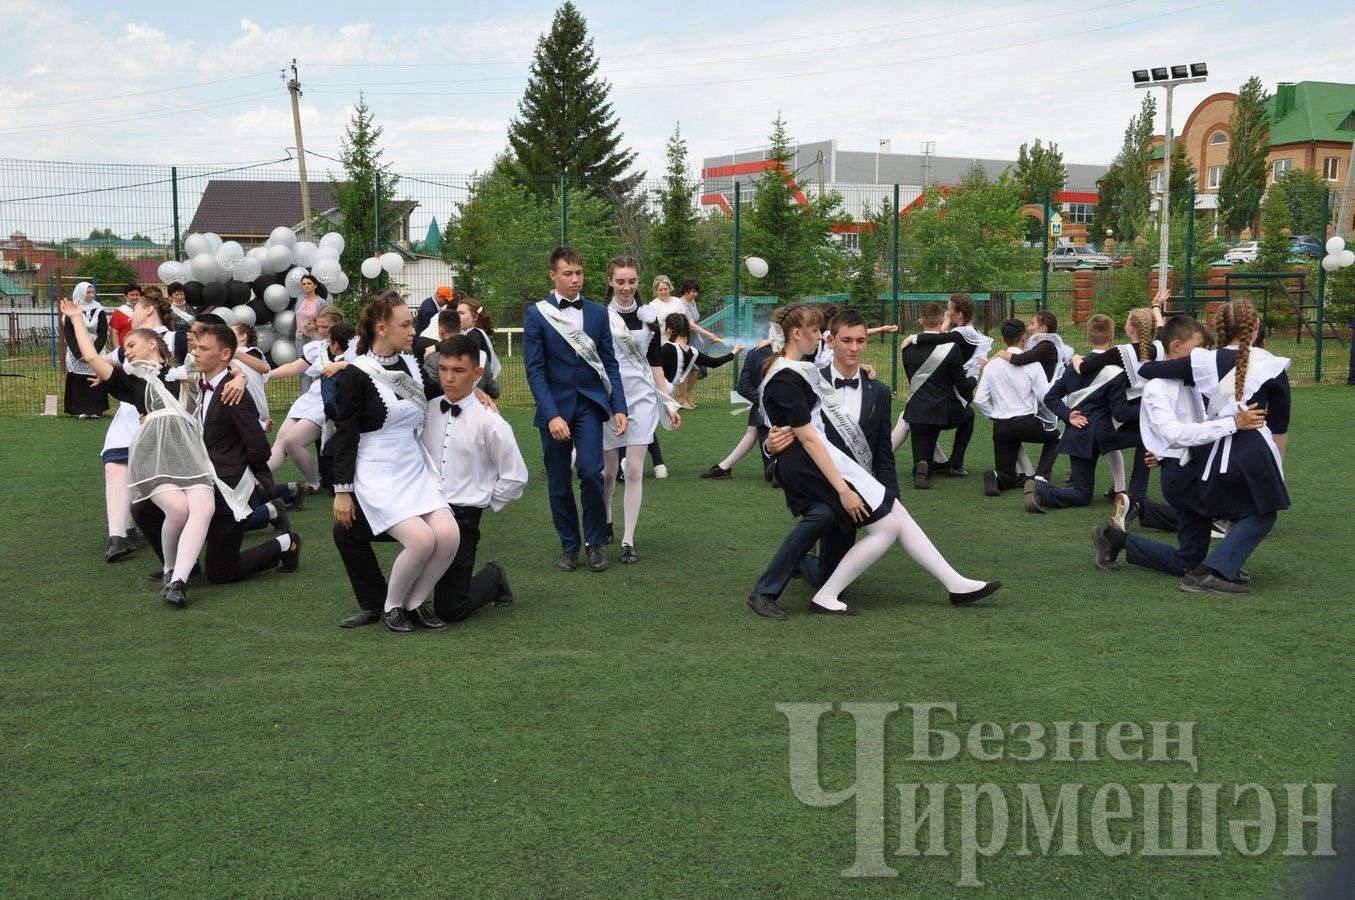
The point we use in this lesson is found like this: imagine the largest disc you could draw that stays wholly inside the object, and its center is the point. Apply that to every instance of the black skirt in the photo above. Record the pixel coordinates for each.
(83, 400)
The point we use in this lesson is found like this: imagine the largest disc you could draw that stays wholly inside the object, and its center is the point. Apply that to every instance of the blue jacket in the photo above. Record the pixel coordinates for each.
(1080, 441)
(558, 376)
(877, 423)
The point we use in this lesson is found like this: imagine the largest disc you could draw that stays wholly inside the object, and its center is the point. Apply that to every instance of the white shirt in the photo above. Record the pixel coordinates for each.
(478, 460)
(209, 396)
(1006, 391)
(572, 314)
(1172, 419)
(849, 396)
(663, 309)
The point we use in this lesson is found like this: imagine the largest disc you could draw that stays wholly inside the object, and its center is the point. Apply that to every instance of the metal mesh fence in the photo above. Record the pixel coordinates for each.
(882, 249)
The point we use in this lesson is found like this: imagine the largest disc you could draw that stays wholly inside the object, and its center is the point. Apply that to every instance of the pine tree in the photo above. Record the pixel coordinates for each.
(1107, 215)
(775, 221)
(1244, 177)
(1182, 180)
(674, 246)
(1276, 230)
(1135, 160)
(565, 123)
(1039, 169)
(355, 194)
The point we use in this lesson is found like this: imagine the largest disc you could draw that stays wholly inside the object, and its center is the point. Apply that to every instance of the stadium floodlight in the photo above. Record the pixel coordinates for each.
(1180, 72)
(1141, 76)
(1198, 70)
(1160, 73)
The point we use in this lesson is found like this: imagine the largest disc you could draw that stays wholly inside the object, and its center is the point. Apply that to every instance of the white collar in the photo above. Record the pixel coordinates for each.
(838, 373)
(217, 378)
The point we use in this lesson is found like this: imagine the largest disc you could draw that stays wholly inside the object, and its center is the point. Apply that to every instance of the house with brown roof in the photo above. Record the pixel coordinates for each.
(247, 211)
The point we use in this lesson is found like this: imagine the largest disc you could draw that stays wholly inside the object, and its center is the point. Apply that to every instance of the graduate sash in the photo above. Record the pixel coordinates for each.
(576, 338)
(832, 409)
(1103, 378)
(929, 367)
(630, 349)
(403, 385)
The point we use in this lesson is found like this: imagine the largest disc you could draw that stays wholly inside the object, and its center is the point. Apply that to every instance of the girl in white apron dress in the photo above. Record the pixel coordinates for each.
(478, 326)
(812, 470)
(306, 417)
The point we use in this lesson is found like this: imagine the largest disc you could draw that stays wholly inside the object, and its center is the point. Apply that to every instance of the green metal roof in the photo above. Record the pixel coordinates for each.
(1320, 110)
(126, 243)
(9, 289)
(432, 242)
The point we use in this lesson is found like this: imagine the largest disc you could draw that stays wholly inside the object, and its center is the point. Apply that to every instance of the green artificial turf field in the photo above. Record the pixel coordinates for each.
(617, 734)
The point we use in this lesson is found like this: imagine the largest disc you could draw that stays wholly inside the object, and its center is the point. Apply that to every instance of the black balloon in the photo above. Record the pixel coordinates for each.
(214, 294)
(237, 292)
(262, 314)
(261, 284)
(192, 292)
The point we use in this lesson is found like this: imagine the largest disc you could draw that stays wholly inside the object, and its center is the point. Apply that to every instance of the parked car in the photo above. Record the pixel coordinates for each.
(1244, 252)
(1307, 245)
(1070, 257)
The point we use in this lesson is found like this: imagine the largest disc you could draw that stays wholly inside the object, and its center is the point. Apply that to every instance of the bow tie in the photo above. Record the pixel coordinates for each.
(576, 303)
(847, 382)
(453, 409)
(205, 385)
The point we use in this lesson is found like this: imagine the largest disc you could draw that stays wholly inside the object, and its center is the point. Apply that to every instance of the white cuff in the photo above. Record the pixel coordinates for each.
(343, 488)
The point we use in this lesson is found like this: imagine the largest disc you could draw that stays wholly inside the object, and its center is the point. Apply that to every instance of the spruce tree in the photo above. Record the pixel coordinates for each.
(1244, 177)
(1182, 180)
(565, 123)
(356, 194)
(1135, 160)
(674, 247)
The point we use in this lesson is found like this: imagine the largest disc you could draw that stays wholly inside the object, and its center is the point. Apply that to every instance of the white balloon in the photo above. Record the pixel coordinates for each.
(244, 314)
(371, 267)
(283, 236)
(284, 322)
(248, 269)
(392, 262)
(196, 244)
(1335, 245)
(167, 271)
(265, 336)
(259, 253)
(327, 270)
(327, 251)
(1331, 262)
(279, 258)
(205, 268)
(226, 313)
(340, 284)
(332, 239)
(213, 241)
(230, 250)
(276, 298)
(757, 266)
(304, 253)
(293, 280)
(283, 352)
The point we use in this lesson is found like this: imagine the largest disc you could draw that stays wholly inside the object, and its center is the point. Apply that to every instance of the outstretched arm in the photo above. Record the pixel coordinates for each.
(101, 366)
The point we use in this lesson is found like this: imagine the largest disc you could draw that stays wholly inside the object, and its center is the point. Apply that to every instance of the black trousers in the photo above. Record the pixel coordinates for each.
(457, 594)
(226, 562)
(923, 437)
(1009, 435)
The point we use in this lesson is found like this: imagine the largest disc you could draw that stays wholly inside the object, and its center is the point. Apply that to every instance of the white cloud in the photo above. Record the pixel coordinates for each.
(39, 69)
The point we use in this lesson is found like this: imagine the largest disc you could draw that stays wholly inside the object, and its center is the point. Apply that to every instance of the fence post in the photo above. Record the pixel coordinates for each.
(1190, 255)
(738, 260)
(51, 311)
(1044, 256)
(174, 194)
(1321, 290)
(894, 290)
(564, 209)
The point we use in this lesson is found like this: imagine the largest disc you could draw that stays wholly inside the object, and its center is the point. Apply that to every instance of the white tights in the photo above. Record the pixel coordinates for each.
(897, 527)
(1115, 460)
(294, 440)
(746, 443)
(635, 473)
(117, 499)
(188, 512)
(430, 542)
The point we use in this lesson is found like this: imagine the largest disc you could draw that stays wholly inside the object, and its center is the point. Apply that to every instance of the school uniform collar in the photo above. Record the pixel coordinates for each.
(463, 404)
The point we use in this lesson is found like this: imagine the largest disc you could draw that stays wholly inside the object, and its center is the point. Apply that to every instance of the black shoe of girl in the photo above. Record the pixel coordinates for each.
(424, 617)
(991, 488)
(396, 621)
(921, 475)
(281, 524)
(298, 494)
(175, 594)
(716, 472)
(628, 554)
(135, 538)
(118, 547)
(969, 597)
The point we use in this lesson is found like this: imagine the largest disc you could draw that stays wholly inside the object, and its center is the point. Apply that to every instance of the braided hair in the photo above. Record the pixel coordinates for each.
(1238, 321)
(1141, 321)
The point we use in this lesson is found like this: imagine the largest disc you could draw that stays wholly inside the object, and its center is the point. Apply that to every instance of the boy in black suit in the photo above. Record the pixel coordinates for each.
(939, 400)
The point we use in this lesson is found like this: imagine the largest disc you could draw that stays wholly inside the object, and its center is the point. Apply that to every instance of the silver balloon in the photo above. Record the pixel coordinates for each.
(226, 313)
(333, 239)
(327, 251)
(167, 270)
(259, 253)
(327, 271)
(248, 269)
(283, 236)
(265, 337)
(283, 352)
(293, 281)
(304, 253)
(213, 241)
(276, 298)
(371, 267)
(205, 268)
(244, 314)
(195, 244)
(392, 262)
(284, 323)
(279, 258)
(340, 284)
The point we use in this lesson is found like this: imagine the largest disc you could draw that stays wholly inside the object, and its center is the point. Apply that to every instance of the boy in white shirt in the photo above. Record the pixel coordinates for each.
(1010, 396)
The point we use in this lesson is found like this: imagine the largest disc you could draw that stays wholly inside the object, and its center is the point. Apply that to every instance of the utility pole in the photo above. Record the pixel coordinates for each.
(820, 161)
(294, 88)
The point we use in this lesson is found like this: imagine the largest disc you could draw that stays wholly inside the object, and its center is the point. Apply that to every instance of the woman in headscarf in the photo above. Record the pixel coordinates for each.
(82, 399)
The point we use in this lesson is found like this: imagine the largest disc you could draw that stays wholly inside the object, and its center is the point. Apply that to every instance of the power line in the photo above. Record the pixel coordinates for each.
(126, 187)
(182, 87)
(197, 106)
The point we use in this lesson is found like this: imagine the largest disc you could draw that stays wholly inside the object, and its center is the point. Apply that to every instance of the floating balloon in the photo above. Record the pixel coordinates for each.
(757, 266)
(247, 269)
(192, 292)
(244, 314)
(1335, 245)
(1347, 258)
(259, 253)
(213, 241)
(326, 271)
(237, 293)
(284, 323)
(327, 251)
(340, 284)
(304, 253)
(214, 294)
(167, 270)
(283, 352)
(392, 262)
(371, 267)
(1331, 262)
(264, 337)
(276, 298)
(283, 236)
(230, 250)
(293, 281)
(279, 258)
(195, 244)
(225, 313)
(332, 239)
(205, 268)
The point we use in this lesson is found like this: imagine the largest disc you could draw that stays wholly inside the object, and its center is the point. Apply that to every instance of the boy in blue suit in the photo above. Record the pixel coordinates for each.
(571, 369)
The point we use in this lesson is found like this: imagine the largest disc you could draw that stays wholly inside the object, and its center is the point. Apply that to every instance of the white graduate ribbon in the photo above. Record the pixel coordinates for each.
(833, 410)
(1262, 366)
(1103, 378)
(630, 348)
(575, 336)
(929, 367)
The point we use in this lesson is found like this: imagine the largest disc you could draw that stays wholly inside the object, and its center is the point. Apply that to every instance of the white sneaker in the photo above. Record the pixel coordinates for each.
(660, 471)
(1120, 514)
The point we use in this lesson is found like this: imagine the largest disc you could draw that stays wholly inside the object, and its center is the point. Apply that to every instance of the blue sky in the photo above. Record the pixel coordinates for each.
(978, 77)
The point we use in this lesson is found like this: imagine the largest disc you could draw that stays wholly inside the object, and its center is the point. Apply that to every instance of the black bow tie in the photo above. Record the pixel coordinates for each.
(449, 407)
(576, 303)
(205, 385)
(847, 382)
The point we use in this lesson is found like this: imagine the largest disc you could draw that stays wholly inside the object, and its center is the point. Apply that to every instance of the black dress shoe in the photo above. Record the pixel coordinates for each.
(1103, 543)
(716, 472)
(424, 617)
(298, 494)
(135, 538)
(280, 522)
(955, 471)
(921, 475)
(825, 611)
(974, 596)
(118, 547)
(628, 554)
(596, 561)
(765, 607)
(611, 535)
(991, 487)
(1031, 500)
(290, 560)
(505, 597)
(175, 594)
(396, 621)
(569, 561)
(360, 618)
